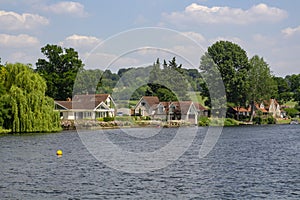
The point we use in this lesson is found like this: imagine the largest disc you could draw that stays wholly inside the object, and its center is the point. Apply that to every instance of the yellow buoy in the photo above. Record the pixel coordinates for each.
(59, 152)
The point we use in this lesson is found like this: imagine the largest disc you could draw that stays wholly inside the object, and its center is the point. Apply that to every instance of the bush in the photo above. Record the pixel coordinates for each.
(257, 120)
(230, 122)
(270, 120)
(203, 121)
(292, 112)
(145, 118)
(100, 119)
(108, 119)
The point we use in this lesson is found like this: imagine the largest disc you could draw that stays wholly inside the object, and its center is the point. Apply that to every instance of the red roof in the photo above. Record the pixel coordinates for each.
(240, 109)
(151, 100)
(199, 106)
(89, 101)
(182, 107)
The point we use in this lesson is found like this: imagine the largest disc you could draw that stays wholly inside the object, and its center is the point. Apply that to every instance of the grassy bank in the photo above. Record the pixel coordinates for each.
(4, 131)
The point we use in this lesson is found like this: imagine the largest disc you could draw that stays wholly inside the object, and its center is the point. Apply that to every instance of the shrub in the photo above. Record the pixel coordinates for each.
(108, 119)
(270, 120)
(100, 119)
(257, 120)
(230, 122)
(203, 121)
(145, 118)
(292, 112)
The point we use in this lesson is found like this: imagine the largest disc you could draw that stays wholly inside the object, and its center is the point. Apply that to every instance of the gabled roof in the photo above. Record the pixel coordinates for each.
(65, 104)
(88, 101)
(199, 106)
(151, 100)
(240, 109)
(182, 107)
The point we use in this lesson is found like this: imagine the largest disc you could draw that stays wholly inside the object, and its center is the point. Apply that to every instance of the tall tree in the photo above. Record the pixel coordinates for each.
(232, 62)
(261, 82)
(59, 70)
(283, 89)
(212, 86)
(4, 108)
(29, 109)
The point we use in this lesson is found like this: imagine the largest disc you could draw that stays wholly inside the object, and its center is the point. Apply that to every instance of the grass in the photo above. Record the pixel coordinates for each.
(290, 104)
(4, 131)
(283, 121)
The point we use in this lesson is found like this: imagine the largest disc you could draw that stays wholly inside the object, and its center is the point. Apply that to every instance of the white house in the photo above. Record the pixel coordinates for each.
(179, 110)
(146, 106)
(90, 106)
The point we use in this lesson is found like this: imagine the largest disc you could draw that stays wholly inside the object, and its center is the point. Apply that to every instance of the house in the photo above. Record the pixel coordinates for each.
(183, 110)
(146, 106)
(273, 108)
(179, 110)
(239, 112)
(267, 107)
(202, 111)
(90, 106)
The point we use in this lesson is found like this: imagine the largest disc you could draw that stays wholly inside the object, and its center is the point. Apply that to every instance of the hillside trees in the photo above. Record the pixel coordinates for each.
(59, 70)
(169, 83)
(23, 96)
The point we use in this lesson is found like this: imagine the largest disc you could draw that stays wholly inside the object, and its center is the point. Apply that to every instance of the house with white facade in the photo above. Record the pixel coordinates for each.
(187, 111)
(89, 106)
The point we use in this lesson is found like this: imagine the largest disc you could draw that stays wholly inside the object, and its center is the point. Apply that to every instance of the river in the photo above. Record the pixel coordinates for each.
(250, 162)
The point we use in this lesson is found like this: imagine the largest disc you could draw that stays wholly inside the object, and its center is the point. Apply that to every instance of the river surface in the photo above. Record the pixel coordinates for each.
(257, 162)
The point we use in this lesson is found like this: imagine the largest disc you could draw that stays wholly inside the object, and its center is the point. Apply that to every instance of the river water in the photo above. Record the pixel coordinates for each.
(257, 162)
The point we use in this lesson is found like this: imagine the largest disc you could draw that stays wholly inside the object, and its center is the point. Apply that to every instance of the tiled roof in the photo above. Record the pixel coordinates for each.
(199, 106)
(241, 109)
(182, 106)
(151, 100)
(89, 101)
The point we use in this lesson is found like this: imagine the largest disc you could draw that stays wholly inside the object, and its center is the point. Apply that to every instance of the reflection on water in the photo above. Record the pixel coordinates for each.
(247, 163)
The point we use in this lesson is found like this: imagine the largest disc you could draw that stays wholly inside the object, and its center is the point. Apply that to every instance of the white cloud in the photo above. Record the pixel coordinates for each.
(235, 40)
(66, 7)
(18, 41)
(81, 41)
(15, 21)
(291, 31)
(199, 38)
(199, 14)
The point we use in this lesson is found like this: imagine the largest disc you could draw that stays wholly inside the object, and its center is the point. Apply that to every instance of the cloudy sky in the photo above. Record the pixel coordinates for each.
(268, 28)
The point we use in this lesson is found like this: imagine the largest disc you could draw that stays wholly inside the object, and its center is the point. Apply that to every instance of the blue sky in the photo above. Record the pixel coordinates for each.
(270, 28)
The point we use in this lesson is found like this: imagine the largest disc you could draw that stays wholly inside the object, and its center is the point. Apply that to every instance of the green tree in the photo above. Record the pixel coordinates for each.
(294, 84)
(232, 63)
(170, 78)
(30, 110)
(261, 82)
(212, 86)
(59, 70)
(283, 90)
(4, 109)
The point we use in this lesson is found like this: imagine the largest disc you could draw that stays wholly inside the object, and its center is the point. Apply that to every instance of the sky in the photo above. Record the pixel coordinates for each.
(115, 34)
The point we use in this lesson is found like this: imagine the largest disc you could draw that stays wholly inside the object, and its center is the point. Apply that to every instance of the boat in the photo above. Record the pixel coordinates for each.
(294, 121)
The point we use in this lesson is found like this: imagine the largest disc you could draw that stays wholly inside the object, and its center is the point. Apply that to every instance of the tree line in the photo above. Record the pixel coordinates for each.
(26, 94)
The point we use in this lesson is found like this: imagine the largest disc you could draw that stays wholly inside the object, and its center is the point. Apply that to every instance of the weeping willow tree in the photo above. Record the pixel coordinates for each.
(29, 109)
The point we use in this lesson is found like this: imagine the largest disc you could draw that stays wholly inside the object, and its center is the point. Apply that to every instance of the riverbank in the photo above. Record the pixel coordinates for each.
(131, 123)
(4, 131)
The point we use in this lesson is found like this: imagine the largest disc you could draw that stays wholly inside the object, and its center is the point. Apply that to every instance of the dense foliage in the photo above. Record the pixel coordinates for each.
(24, 106)
(59, 70)
(232, 63)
